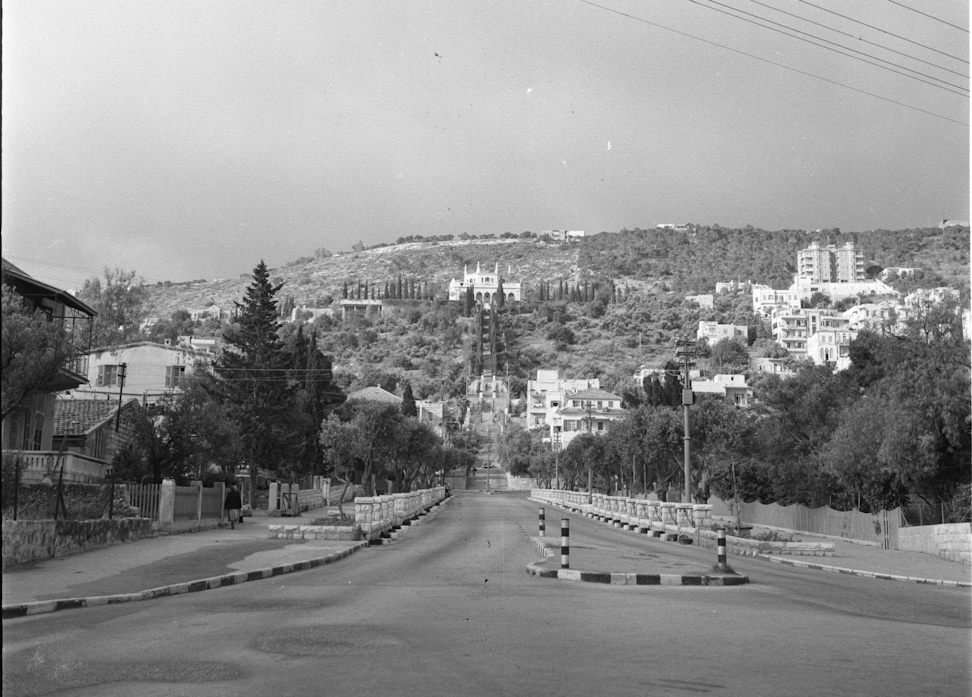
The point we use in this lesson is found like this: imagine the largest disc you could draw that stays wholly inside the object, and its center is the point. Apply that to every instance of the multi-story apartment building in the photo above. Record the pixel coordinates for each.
(790, 331)
(830, 264)
(794, 330)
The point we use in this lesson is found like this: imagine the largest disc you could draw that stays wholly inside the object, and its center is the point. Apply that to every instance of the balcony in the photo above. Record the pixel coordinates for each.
(38, 464)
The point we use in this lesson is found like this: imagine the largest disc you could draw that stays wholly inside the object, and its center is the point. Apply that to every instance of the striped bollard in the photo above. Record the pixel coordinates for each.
(564, 543)
(543, 527)
(721, 549)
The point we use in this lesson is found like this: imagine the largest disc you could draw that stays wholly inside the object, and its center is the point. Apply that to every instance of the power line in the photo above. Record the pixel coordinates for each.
(923, 14)
(860, 38)
(884, 31)
(828, 48)
(767, 60)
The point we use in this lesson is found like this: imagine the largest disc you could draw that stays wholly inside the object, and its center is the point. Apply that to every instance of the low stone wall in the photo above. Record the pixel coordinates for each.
(952, 541)
(314, 532)
(520, 483)
(26, 541)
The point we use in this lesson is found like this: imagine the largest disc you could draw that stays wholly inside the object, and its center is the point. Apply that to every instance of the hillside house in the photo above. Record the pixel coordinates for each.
(144, 370)
(212, 311)
(546, 395)
(774, 366)
(732, 387)
(563, 235)
(766, 299)
(872, 316)
(713, 331)
(588, 411)
(703, 301)
(831, 346)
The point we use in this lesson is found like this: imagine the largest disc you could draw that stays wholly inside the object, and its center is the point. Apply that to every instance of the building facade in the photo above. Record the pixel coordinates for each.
(143, 370)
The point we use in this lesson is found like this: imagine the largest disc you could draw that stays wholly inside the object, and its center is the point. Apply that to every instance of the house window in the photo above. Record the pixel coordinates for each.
(174, 375)
(38, 431)
(107, 375)
(600, 425)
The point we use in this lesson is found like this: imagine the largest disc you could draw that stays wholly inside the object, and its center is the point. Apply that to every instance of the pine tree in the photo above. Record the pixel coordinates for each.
(253, 375)
(500, 294)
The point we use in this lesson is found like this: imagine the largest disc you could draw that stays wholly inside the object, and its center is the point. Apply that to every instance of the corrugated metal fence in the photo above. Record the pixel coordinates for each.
(880, 528)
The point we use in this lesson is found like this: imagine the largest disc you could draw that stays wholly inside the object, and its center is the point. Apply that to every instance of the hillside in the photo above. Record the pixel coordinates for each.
(652, 269)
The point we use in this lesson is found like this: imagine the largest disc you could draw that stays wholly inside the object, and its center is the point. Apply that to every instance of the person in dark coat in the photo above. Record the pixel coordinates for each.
(233, 505)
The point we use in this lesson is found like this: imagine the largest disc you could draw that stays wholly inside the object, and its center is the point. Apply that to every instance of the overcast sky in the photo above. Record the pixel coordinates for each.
(191, 139)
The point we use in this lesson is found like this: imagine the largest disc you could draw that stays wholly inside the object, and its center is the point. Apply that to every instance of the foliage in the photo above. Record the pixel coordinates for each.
(729, 356)
(372, 441)
(182, 436)
(120, 303)
(34, 350)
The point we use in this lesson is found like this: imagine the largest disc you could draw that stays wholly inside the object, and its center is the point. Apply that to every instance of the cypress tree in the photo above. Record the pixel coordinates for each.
(408, 402)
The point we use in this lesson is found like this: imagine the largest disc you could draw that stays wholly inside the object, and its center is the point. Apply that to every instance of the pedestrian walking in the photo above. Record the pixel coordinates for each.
(234, 503)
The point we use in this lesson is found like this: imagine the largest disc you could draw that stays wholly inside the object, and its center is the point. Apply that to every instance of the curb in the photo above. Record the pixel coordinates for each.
(45, 606)
(865, 574)
(629, 579)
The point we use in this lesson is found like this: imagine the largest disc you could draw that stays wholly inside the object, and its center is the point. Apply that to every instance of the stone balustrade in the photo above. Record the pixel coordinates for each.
(640, 515)
(377, 516)
(670, 520)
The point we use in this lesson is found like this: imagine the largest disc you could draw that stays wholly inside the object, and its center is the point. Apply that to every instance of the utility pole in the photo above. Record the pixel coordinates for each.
(556, 445)
(121, 387)
(685, 350)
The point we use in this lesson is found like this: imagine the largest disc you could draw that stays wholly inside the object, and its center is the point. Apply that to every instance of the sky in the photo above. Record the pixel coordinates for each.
(188, 140)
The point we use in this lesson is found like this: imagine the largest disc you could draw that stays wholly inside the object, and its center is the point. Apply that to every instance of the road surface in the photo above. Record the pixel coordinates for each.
(450, 610)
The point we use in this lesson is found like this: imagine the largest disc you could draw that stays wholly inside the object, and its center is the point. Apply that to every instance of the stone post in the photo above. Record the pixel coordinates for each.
(167, 492)
(272, 503)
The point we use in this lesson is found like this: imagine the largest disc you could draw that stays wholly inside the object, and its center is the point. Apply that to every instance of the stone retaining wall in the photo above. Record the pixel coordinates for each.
(26, 541)
(952, 541)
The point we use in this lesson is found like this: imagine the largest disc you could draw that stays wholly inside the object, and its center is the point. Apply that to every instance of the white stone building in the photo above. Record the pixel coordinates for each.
(485, 286)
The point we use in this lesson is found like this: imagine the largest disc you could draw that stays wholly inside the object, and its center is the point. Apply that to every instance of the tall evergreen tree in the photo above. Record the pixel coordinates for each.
(408, 402)
(254, 379)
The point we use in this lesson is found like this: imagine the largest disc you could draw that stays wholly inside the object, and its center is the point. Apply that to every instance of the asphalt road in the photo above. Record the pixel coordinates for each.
(450, 610)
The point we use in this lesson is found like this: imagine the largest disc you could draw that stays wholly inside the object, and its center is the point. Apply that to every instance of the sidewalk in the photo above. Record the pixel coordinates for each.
(884, 564)
(223, 556)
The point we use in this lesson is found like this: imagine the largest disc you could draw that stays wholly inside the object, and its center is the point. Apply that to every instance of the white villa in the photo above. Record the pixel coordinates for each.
(485, 285)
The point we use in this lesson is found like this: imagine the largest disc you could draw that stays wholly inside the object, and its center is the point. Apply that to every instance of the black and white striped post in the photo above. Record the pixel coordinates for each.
(721, 549)
(565, 543)
(543, 525)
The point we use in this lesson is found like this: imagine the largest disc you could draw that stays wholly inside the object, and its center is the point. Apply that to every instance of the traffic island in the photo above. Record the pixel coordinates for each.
(549, 549)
